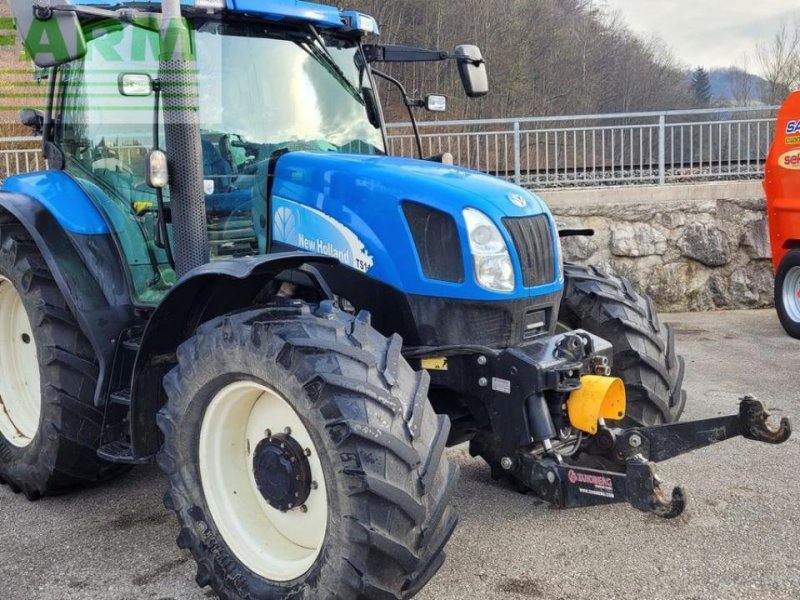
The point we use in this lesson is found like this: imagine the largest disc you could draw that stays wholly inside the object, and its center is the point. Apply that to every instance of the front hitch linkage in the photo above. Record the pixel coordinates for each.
(636, 450)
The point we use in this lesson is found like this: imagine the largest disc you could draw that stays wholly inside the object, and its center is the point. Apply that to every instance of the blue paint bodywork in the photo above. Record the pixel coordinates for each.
(326, 16)
(364, 194)
(63, 197)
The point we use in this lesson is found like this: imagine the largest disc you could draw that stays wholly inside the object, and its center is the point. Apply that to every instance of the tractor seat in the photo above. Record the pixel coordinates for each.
(216, 168)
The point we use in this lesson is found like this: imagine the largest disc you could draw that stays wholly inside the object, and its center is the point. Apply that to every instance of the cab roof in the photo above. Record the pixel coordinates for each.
(328, 17)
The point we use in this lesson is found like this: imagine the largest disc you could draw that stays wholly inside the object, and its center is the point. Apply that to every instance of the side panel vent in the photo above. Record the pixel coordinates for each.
(438, 245)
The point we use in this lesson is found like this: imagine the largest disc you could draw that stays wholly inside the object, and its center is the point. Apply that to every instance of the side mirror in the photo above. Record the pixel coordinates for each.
(50, 37)
(135, 84)
(32, 118)
(436, 103)
(472, 69)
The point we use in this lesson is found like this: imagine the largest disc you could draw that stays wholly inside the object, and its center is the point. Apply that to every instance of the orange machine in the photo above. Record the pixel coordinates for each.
(782, 185)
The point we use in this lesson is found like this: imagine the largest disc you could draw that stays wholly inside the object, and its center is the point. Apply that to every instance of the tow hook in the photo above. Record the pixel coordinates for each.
(631, 455)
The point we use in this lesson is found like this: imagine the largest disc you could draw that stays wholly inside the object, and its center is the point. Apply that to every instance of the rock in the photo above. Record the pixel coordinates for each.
(668, 284)
(671, 220)
(637, 239)
(700, 300)
(719, 289)
(578, 248)
(752, 286)
(755, 239)
(706, 243)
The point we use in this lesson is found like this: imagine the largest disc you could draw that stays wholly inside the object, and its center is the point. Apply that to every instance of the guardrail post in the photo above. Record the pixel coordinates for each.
(517, 155)
(662, 149)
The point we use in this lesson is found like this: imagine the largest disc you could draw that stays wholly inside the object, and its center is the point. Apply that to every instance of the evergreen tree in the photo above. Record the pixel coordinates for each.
(701, 86)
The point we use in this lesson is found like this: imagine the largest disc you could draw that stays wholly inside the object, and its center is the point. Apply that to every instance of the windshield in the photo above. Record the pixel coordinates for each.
(296, 90)
(261, 90)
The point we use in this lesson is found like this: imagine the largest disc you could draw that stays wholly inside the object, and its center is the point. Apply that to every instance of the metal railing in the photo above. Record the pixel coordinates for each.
(595, 150)
(545, 152)
(20, 155)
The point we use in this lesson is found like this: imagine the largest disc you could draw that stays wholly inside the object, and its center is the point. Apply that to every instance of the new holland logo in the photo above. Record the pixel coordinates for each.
(517, 200)
(790, 160)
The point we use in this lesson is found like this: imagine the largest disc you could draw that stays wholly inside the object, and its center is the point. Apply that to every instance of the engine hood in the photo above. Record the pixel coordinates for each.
(350, 206)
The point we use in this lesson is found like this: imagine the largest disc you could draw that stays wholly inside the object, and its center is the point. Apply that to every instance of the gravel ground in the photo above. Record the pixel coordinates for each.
(737, 540)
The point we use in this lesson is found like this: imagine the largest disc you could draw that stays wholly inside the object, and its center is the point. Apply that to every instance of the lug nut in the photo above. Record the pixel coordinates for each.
(304, 508)
(288, 431)
(483, 382)
(314, 485)
(506, 463)
(551, 477)
(481, 360)
(268, 433)
(635, 441)
(308, 451)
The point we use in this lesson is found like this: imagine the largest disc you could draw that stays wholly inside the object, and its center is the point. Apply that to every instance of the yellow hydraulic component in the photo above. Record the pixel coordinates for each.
(142, 207)
(434, 363)
(598, 398)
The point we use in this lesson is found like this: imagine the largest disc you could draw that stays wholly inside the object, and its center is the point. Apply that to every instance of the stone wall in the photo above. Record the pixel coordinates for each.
(694, 247)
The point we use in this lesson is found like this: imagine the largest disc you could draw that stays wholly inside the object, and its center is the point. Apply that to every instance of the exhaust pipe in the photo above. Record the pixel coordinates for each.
(177, 72)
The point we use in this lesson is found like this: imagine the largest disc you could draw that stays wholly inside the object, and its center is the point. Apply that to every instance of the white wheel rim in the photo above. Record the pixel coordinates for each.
(791, 294)
(20, 388)
(277, 546)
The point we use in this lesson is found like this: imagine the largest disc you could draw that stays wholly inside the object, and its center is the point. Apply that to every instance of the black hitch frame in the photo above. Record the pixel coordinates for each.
(634, 452)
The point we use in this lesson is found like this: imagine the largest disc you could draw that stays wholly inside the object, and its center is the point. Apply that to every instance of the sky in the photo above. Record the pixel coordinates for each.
(708, 33)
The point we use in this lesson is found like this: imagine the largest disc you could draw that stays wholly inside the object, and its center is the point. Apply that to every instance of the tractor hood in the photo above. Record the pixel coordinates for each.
(352, 207)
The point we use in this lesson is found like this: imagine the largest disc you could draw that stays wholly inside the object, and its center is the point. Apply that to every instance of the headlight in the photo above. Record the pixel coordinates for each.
(493, 267)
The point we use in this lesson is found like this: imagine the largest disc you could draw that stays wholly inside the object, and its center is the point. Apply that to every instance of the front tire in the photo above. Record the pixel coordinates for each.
(337, 402)
(787, 293)
(644, 348)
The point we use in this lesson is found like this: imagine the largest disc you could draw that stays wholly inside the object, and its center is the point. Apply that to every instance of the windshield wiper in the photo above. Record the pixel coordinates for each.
(319, 51)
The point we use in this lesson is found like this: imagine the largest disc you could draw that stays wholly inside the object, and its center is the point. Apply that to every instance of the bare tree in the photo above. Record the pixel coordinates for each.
(779, 62)
(741, 82)
(545, 57)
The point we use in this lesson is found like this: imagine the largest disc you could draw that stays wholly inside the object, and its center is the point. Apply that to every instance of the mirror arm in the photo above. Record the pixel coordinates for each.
(406, 54)
(402, 54)
(163, 229)
(408, 101)
(48, 125)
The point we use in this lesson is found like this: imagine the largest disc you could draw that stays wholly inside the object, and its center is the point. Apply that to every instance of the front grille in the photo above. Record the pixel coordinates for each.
(533, 240)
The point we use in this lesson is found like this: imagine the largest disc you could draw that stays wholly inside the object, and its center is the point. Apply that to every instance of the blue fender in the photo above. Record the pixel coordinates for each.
(81, 255)
(205, 293)
(63, 198)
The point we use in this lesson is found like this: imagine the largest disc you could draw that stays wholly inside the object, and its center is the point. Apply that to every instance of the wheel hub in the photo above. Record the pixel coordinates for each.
(791, 294)
(20, 392)
(282, 472)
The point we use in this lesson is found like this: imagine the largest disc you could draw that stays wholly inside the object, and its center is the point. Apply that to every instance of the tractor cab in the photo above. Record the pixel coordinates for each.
(264, 84)
(263, 88)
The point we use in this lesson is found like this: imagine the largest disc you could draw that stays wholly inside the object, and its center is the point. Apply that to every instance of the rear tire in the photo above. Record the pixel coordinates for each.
(371, 435)
(787, 293)
(55, 449)
(644, 348)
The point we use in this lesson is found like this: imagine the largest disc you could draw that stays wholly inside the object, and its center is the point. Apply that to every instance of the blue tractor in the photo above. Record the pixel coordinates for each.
(224, 271)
